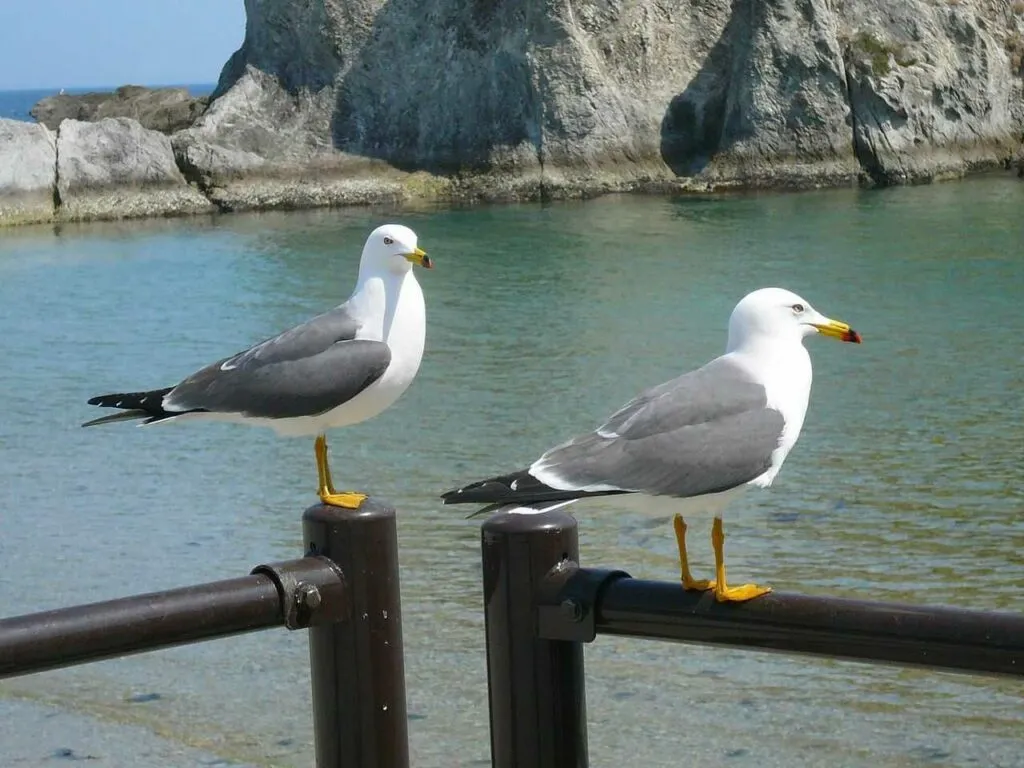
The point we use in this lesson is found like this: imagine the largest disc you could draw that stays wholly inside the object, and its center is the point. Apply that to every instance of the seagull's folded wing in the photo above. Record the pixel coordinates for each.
(304, 371)
(707, 431)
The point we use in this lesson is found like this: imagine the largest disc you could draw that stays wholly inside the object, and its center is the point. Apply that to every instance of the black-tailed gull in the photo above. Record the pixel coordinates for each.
(342, 367)
(691, 444)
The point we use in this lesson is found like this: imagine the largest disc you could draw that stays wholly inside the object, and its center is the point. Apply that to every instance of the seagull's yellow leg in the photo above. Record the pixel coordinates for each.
(326, 492)
(725, 593)
(689, 583)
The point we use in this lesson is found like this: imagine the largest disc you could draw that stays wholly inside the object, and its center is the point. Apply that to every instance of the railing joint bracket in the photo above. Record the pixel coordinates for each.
(567, 601)
(312, 591)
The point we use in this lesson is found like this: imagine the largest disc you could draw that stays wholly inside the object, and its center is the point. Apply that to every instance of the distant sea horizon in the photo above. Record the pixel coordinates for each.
(15, 104)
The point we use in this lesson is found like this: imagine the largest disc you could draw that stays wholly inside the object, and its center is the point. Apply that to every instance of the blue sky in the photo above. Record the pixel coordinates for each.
(74, 43)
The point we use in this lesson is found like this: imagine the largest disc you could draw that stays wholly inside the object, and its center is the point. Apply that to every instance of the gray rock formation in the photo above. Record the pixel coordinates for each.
(331, 102)
(506, 99)
(765, 99)
(261, 147)
(28, 167)
(160, 109)
(935, 88)
(116, 169)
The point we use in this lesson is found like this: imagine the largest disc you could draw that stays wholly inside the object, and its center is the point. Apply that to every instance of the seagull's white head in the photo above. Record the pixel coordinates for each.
(392, 248)
(775, 314)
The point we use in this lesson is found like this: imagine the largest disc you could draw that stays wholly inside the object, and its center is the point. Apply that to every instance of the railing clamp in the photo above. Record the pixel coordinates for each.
(567, 601)
(312, 591)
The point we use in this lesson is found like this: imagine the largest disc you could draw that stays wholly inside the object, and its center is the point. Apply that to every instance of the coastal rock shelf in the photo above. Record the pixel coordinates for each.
(160, 109)
(111, 169)
(115, 168)
(335, 102)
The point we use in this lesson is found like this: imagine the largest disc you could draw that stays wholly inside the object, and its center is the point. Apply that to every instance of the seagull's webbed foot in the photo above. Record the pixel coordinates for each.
(326, 492)
(345, 500)
(723, 592)
(689, 583)
(741, 593)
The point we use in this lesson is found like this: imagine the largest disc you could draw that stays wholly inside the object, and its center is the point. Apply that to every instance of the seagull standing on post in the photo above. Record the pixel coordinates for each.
(692, 444)
(342, 367)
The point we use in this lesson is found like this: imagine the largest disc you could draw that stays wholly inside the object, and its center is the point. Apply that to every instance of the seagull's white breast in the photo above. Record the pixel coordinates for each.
(785, 372)
(403, 329)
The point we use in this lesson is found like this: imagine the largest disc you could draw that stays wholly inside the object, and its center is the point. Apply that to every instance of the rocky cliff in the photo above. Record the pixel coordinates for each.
(506, 99)
(338, 101)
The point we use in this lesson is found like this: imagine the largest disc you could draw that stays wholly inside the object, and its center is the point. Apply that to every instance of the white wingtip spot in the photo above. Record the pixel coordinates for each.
(539, 508)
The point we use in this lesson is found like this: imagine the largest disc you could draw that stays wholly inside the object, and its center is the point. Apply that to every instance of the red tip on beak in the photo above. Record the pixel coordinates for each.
(852, 336)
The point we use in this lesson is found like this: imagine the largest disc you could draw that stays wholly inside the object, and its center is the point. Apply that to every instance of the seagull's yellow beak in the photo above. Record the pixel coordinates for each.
(838, 330)
(419, 256)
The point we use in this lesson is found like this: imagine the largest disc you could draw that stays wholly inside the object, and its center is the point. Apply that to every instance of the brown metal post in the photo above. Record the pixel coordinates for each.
(357, 664)
(537, 700)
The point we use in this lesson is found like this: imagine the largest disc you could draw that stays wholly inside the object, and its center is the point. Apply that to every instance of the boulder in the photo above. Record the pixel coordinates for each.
(28, 167)
(160, 109)
(115, 169)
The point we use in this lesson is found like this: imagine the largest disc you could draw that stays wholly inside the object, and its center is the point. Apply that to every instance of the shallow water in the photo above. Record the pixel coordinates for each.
(906, 483)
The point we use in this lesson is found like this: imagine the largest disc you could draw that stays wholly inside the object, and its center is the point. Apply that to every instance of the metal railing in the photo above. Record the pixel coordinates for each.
(345, 591)
(540, 607)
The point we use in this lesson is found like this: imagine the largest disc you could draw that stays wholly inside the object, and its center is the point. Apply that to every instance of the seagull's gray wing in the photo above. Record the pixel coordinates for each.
(706, 431)
(304, 371)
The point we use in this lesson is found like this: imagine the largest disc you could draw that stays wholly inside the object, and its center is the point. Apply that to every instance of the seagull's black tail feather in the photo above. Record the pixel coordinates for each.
(134, 405)
(120, 416)
(520, 488)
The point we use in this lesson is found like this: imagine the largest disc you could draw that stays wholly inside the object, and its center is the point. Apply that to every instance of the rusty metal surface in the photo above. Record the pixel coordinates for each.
(357, 665)
(85, 633)
(536, 686)
(951, 639)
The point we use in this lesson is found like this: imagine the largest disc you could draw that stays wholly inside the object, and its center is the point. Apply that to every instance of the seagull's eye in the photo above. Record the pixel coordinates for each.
(798, 308)
(388, 241)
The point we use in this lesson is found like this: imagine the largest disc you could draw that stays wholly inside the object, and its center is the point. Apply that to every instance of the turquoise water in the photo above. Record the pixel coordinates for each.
(905, 485)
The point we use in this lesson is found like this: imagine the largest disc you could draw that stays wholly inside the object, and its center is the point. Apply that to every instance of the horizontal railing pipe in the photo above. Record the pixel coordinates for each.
(84, 633)
(541, 606)
(953, 639)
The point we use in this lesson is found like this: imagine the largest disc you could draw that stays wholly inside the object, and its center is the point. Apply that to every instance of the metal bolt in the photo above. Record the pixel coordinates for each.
(308, 596)
(572, 610)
